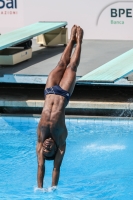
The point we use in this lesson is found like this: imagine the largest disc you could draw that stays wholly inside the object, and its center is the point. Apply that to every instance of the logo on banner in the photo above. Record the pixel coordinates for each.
(8, 7)
(117, 15)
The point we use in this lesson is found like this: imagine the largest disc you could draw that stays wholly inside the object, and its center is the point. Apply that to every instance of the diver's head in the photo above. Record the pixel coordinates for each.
(49, 149)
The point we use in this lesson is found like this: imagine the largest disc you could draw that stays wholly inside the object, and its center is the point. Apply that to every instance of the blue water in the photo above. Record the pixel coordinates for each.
(98, 163)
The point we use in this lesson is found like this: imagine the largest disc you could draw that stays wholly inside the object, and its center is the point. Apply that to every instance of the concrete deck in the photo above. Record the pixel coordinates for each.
(94, 54)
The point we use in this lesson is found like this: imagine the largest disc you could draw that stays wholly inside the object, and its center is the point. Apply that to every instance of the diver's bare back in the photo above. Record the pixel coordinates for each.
(52, 122)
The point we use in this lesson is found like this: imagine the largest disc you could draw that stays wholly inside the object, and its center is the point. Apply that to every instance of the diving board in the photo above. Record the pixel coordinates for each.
(112, 71)
(28, 32)
(15, 46)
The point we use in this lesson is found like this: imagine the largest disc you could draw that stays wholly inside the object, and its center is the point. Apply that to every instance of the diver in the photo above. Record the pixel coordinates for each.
(52, 131)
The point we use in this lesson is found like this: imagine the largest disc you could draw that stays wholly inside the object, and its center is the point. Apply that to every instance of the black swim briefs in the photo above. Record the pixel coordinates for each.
(58, 91)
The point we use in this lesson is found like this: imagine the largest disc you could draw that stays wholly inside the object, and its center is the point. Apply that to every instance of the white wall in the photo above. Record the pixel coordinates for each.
(93, 16)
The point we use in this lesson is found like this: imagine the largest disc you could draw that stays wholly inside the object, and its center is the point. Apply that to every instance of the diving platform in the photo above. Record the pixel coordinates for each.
(16, 46)
(112, 71)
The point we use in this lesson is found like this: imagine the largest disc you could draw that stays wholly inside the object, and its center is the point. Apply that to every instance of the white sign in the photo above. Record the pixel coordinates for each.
(11, 15)
(100, 19)
(115, 21)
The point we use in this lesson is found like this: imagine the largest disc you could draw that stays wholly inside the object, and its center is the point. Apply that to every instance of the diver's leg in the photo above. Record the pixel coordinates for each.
(68, 80)
(56, 74)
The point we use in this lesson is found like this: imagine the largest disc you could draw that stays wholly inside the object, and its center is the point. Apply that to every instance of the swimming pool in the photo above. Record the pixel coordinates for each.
(98, 163)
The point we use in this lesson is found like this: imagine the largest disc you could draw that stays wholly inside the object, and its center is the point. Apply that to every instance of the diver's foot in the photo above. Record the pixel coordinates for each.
(73, 33)
(79, 34)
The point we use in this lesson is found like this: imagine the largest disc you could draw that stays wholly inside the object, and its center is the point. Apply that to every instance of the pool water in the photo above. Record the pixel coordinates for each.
(98, 163)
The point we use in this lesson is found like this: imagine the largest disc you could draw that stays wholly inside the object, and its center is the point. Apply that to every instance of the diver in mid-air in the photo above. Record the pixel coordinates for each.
(52, 131)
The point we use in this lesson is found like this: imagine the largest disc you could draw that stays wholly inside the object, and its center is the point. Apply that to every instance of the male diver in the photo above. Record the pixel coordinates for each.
(52, 131)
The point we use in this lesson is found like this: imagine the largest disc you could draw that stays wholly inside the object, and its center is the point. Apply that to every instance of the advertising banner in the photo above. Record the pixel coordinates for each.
(11, 15)
(115, 20)
(100, 19)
